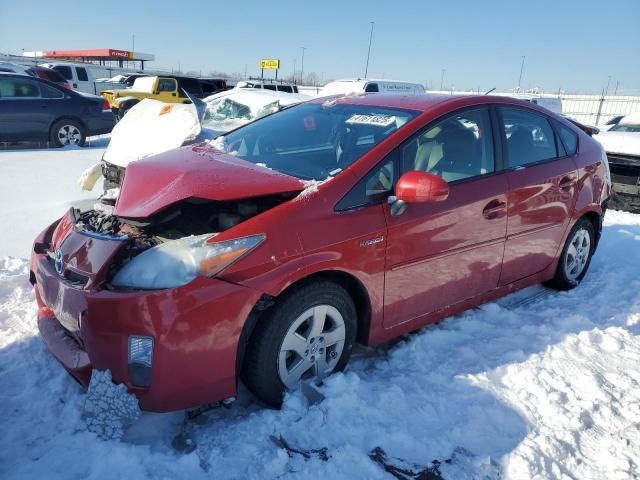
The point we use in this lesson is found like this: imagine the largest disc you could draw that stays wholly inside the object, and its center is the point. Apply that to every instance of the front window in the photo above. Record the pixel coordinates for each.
(315, 141)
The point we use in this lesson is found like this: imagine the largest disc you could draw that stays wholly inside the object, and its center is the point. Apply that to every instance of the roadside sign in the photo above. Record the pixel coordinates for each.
(269, 64)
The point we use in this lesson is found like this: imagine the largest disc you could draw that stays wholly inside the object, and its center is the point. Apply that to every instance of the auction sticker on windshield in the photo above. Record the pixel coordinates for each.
(378, 120)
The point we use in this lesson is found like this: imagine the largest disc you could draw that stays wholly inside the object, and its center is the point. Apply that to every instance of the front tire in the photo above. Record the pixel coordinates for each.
(575, 257)
(307, 335)
(67, 132)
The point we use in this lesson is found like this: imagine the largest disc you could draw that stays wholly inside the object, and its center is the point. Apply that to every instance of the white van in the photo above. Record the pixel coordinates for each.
(366, 85)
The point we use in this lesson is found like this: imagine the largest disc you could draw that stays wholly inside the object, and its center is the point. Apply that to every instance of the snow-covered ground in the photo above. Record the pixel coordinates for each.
(540, 384)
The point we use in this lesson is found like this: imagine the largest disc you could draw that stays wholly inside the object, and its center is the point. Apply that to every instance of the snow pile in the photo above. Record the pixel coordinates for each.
(109, 409)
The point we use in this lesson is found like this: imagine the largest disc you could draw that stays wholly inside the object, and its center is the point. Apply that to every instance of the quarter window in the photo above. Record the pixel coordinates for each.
(373, 188)
(528, 136)
(569, 139)
(458, 147)
(50, 92)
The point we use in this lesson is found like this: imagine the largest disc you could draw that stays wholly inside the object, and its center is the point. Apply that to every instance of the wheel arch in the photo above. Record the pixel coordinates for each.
(68, 117)
(349, 282)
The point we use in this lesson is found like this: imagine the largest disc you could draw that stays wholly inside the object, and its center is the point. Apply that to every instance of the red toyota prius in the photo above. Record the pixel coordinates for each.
(266, 254)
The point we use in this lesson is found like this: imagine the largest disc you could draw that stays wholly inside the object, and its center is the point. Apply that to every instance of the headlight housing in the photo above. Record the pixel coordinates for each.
(177, 262)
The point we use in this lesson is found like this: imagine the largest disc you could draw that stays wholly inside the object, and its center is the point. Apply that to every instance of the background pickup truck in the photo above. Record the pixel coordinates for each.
(166, 89)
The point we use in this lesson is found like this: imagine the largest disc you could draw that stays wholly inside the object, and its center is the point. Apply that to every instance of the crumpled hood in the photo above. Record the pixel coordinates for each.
(149, 128)
(626, 143)
(196, 171)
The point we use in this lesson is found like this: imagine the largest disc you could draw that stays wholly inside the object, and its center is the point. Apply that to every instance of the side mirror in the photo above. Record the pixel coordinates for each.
(418, 187)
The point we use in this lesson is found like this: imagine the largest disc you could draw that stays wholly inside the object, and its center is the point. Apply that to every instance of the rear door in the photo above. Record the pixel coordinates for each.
(24, 114)
(541, 194)
(442, 253)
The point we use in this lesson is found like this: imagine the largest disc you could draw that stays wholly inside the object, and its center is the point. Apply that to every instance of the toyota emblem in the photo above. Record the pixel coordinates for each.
(59, 264)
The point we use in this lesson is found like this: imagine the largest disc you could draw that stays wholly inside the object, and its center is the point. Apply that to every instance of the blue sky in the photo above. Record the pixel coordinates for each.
(571, 44)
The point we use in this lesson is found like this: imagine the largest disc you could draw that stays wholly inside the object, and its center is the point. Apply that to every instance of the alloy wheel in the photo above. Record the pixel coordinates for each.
(577, 254)
(69, 135)
(312, 345)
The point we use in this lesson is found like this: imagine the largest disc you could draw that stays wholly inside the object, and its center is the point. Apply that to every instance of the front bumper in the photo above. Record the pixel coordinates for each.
(195, 330)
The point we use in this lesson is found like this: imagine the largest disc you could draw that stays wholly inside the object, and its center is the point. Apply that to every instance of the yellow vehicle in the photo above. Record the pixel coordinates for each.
(165, 89)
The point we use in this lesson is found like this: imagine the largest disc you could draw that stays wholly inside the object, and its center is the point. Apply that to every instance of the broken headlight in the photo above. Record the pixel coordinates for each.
(177, 262)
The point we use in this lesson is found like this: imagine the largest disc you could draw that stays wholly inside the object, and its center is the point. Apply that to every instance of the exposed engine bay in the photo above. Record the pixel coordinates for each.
(183, 219)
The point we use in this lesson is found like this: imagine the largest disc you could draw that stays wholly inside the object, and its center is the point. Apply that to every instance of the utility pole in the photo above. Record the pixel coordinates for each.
(520, 77)
(366, 69)
(606, 90)
(302, 65)
(615, 92)
(442, 79)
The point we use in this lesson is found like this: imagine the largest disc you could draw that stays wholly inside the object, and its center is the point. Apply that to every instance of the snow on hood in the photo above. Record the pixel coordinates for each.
(151, 127)
(197, 171)
(233, 108)
(626, 143)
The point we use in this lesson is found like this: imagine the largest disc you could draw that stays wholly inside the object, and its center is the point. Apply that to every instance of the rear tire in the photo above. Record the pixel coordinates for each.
(575, 257)
(307, 334)
(67, 132)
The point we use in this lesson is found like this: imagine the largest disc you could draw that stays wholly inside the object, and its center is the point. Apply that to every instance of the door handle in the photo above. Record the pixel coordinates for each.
(494, 209)
(566, 183)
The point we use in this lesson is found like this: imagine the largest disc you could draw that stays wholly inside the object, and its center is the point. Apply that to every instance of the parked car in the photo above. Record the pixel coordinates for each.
(168, 89)
(211, 86)
(622, 144)
(153, 127)
(33, 109)
(268, 85)
(370, 85)
(35, 71)
(268, 253)
(611, 123)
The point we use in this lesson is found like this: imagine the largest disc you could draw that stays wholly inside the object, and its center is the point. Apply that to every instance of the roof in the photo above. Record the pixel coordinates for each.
(408, 102)
(424, 102)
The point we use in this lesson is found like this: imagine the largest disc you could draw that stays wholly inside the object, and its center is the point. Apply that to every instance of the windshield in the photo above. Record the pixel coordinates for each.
(314, 141)
(626, 127)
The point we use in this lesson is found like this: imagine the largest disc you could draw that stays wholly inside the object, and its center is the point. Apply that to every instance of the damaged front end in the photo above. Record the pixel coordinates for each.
(178, 242)
(625, 180)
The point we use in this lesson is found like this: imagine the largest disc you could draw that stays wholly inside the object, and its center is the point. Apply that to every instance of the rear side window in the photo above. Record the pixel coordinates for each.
(18, 88)
(372, 87)
(569, 139)
(166, 85)
(458, 147)
(82, 74)
(64, 71)
(269, 87)
(285, 88)
(528, 136)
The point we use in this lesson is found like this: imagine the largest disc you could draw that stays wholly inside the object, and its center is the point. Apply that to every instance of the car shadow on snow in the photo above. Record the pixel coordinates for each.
(416, 398)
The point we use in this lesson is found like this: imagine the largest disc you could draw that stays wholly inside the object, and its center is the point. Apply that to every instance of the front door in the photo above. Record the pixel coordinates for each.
(442, 253)
(541, 193)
